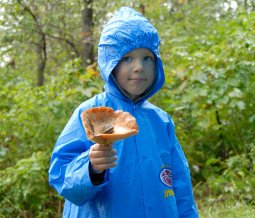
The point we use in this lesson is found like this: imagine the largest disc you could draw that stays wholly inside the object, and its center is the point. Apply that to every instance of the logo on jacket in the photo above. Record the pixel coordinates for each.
(166, 177)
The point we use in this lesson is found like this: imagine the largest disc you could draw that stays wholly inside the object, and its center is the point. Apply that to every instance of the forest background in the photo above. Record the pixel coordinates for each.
(48, 67)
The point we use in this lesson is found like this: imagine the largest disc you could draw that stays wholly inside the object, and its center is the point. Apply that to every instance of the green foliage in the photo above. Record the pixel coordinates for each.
(32, 117)
(31, 120)
(236, 179)
(24, 189)
(227, 209)
(210, 81)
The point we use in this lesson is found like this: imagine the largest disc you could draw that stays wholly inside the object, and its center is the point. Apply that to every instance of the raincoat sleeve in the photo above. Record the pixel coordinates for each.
(69, 167)
(181, 180)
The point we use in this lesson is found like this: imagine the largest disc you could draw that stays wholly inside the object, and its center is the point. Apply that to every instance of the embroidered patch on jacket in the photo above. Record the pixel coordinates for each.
(166, 177)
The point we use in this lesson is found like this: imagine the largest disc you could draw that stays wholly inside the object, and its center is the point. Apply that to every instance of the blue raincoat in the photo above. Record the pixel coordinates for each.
(152, 177)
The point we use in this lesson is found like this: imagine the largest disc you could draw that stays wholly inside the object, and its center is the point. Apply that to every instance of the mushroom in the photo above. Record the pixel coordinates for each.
(103, 125)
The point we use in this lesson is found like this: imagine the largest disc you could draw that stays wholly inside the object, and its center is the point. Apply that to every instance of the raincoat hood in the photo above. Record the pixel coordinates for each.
(127, 30)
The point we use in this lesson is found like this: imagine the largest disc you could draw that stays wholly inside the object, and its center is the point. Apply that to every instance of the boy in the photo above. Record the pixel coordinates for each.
(150, 178)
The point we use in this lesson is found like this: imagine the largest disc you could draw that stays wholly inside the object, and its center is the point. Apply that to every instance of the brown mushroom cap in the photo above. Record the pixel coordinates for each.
(103, 125)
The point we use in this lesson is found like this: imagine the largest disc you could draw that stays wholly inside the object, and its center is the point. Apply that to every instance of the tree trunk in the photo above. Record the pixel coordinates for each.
(246, 6)
(87, 34)
(222, 149)
(40, 46)
(41, 54)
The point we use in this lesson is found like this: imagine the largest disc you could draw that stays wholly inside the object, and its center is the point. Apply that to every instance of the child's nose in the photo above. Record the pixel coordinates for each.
(138, 66)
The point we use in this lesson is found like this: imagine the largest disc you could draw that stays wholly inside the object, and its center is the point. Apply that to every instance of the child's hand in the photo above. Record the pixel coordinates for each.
(102, 157)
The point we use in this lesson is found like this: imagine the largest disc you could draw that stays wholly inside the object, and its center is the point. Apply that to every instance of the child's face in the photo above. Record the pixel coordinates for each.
(135, 72)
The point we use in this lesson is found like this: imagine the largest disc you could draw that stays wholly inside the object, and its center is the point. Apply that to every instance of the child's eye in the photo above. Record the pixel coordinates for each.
(149, 58)
(126, 59)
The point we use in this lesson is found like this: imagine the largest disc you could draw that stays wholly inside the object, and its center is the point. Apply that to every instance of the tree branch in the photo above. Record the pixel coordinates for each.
(69, 42)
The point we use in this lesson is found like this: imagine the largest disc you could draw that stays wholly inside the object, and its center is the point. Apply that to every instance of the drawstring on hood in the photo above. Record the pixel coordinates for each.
(127, 30)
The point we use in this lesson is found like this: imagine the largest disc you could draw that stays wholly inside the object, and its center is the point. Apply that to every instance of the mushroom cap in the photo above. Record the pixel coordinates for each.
(96, 120)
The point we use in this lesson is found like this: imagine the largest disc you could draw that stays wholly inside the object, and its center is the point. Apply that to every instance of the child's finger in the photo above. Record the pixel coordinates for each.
(98, 147)
(103, 160)
(102, 157)
(102, 167)
(98, 154)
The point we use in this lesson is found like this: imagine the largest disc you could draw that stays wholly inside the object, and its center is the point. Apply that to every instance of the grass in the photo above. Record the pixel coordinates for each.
(228, 209)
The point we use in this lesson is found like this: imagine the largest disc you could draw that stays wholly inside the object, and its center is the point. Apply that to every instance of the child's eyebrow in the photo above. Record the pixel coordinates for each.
(151, 55)
(148, 53)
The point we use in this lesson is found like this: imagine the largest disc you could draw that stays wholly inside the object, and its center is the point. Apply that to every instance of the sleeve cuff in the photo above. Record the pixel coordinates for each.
(96, 178)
